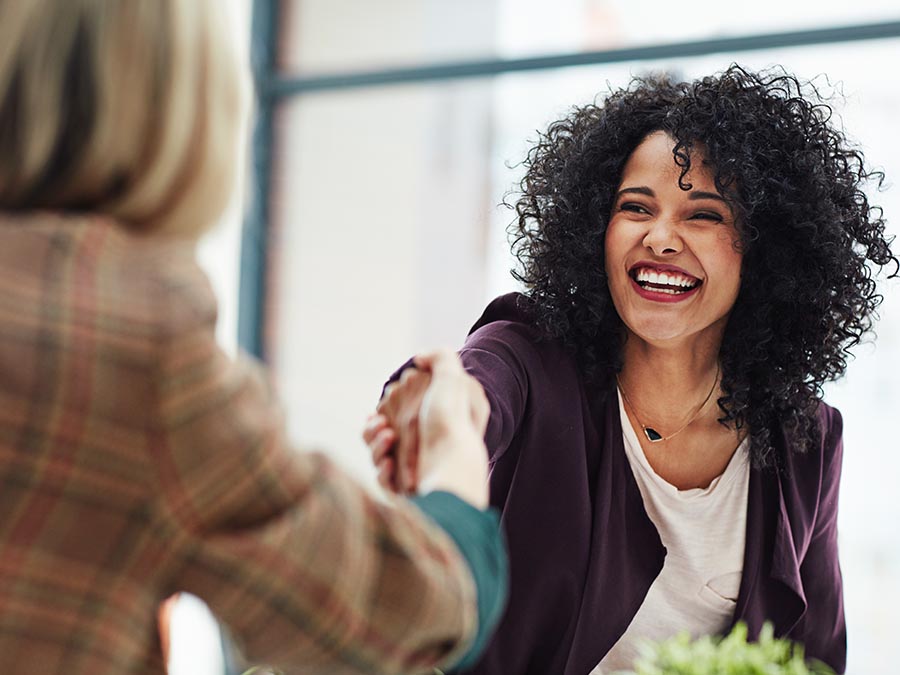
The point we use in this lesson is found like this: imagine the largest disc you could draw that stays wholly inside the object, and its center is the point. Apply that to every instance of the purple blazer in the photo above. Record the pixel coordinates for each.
(583, 552)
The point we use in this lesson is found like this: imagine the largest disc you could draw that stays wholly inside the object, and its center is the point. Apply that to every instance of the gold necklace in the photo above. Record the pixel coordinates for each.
(652, 434)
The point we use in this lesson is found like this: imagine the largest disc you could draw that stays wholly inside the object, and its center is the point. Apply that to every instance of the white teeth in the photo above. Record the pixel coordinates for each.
(648, 276)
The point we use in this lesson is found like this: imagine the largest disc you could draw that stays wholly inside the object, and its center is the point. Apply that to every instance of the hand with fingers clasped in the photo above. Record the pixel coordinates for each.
(428, 431)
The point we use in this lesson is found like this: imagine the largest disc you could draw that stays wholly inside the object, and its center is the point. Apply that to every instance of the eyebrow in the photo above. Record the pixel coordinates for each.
(694, 196)
(707, 195)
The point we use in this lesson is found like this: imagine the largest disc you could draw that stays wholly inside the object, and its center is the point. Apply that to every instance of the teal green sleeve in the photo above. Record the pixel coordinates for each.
(478, 536)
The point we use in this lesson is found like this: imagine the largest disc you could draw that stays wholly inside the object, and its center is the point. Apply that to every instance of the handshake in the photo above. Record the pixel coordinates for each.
(427, 433)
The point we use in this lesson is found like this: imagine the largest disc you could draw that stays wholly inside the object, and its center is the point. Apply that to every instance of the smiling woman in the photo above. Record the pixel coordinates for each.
(697, 257)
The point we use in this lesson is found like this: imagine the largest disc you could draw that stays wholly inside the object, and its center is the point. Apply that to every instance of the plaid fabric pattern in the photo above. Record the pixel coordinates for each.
(137, 460)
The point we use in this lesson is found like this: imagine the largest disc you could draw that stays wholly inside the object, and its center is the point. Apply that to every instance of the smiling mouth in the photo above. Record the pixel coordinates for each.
(669, 283)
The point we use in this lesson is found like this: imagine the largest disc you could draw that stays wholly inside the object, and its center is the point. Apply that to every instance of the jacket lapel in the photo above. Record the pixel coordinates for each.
(626, 551)
(771, 587)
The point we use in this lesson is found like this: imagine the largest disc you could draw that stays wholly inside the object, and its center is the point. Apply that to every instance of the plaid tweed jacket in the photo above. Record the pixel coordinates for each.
(137, 460)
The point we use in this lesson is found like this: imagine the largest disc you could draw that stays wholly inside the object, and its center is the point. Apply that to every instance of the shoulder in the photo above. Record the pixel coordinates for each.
(505, 328)
(831, 446)
(831, 427)
(156, 282)
(509, 355)
(165, 272)
(814, 476)
(825, 455)
(89, 270)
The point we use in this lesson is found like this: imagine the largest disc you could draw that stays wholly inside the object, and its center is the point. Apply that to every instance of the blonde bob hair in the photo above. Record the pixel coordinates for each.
(128, 108)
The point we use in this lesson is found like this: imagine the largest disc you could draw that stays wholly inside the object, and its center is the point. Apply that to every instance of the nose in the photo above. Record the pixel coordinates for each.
(662, 238)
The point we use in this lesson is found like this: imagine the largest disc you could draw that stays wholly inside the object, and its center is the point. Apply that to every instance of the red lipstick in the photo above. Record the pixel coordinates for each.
(660, 282)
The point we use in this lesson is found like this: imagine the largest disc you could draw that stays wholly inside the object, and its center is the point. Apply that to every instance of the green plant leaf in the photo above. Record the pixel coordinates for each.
(731, 655)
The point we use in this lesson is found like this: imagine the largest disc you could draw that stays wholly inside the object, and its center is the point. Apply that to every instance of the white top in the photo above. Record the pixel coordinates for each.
(704, 531)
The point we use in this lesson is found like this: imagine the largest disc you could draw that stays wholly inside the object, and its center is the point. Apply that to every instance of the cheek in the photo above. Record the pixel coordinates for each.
(608, 265)
(614, 249)
(728, 272)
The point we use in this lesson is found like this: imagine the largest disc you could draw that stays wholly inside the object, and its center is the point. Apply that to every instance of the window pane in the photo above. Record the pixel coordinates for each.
(340, 35)
(380, 207)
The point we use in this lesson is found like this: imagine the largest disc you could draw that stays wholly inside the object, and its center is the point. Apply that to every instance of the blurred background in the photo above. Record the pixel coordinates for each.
(385, 137)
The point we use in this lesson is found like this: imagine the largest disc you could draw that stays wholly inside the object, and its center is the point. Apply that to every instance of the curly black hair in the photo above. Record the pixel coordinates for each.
(809, 237)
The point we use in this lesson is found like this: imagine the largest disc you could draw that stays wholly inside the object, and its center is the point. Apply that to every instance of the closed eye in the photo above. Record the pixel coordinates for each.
(633, 207)
(707, 215)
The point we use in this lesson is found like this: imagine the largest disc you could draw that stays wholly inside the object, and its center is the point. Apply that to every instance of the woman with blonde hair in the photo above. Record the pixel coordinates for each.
(136, 459)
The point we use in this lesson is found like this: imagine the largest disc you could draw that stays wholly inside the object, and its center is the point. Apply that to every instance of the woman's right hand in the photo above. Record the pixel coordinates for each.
(428, 433)
(392, 433)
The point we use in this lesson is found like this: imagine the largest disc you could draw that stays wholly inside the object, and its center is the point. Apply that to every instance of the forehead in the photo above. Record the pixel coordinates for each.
(653, 161)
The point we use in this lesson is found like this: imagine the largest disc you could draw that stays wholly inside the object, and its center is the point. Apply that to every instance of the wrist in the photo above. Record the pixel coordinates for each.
(456, 464)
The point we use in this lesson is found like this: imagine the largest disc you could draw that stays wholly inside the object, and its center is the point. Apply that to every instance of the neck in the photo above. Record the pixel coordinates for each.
(667, 383)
